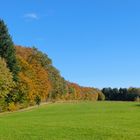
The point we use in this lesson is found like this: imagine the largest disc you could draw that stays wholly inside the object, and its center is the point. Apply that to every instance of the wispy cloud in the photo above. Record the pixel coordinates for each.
(33, 16)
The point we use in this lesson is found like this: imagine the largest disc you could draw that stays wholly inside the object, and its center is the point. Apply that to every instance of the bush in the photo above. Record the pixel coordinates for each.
(12, 107)
(101, 96)
(2, 105)
(137, 99)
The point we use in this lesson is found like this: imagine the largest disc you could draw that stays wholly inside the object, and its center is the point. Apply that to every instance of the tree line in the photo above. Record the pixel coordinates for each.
(122, 94)
(28, 77)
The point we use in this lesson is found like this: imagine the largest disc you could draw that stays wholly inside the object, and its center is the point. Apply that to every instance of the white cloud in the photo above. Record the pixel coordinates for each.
(31, 16)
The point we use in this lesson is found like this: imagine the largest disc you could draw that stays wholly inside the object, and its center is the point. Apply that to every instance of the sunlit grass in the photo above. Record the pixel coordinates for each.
(74, 121)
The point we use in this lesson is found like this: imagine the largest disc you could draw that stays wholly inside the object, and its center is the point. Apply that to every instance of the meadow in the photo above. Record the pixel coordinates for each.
(74, 121)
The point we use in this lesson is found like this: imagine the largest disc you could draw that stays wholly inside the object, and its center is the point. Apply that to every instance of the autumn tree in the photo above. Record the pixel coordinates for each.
(6, 82)
(33, 77)
(58, 83)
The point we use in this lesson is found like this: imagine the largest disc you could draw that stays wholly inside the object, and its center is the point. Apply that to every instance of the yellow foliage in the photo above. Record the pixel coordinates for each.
(6, 79)
(12, 106)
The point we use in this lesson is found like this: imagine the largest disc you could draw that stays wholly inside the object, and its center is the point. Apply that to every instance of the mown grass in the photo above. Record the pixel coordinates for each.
(74, 121)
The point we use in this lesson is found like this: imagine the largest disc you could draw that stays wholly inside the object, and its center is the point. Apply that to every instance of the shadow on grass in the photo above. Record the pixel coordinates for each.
(138, 105)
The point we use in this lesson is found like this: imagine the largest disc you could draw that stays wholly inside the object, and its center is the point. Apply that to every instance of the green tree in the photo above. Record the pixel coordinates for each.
(58, 83)
(7, 50)
(38, 100)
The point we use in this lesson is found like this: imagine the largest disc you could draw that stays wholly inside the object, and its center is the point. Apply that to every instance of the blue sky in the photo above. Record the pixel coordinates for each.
(92, 42)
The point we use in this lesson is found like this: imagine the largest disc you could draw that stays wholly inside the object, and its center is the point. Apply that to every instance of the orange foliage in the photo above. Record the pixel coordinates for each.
(35, 80)
(77, 92)
(33, 77)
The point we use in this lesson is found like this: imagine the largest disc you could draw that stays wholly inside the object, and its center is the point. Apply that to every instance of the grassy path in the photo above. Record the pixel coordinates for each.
(26, 109)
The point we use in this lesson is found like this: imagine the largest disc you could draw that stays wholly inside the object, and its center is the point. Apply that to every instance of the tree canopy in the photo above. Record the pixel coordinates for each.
(7, 50)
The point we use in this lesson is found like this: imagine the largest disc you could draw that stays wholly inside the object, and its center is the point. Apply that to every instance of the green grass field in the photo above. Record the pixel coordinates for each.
(74, 121)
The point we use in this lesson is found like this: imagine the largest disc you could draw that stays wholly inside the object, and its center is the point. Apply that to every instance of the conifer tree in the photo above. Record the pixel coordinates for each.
(7, 50)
